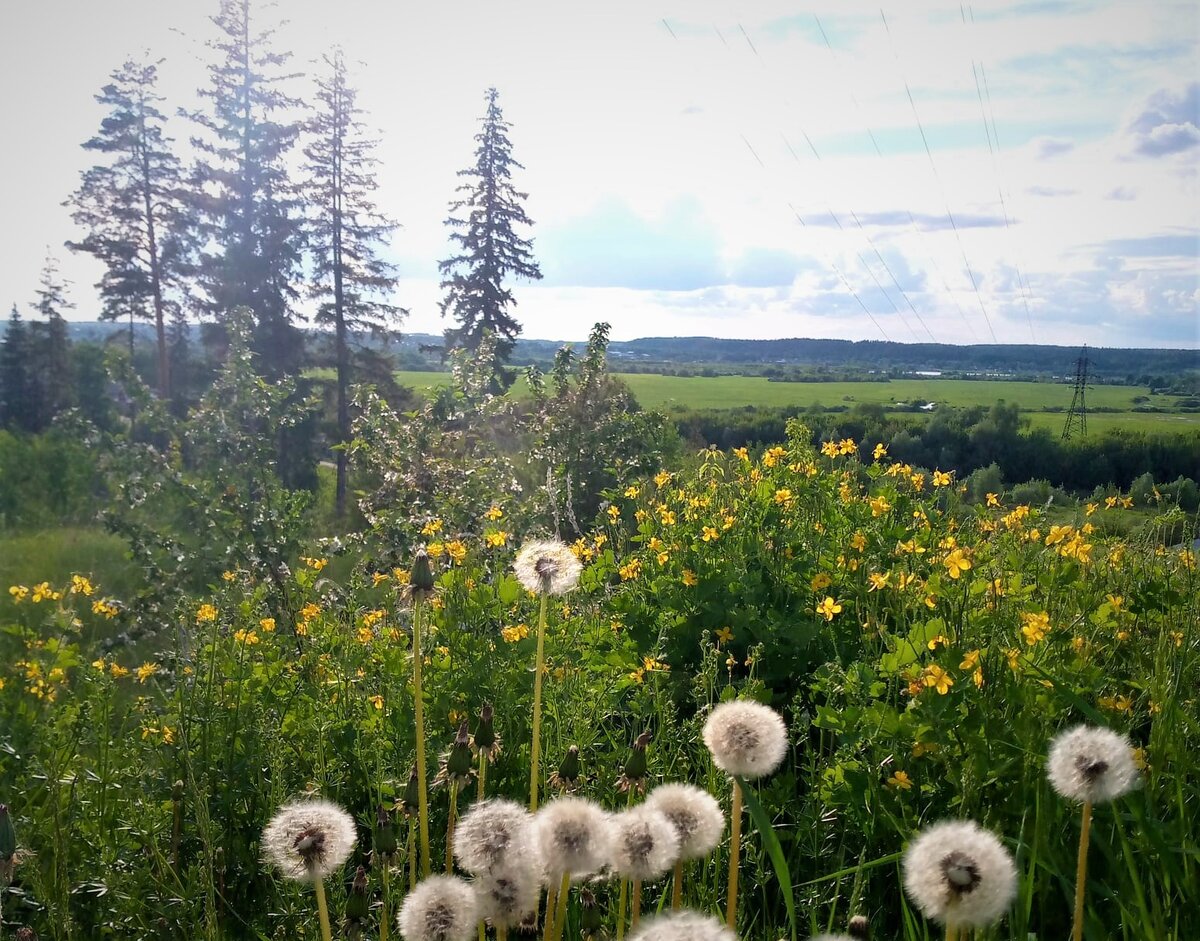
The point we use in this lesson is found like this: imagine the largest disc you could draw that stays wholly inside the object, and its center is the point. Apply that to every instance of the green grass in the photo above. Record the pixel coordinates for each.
(657, 391)
(49, 554)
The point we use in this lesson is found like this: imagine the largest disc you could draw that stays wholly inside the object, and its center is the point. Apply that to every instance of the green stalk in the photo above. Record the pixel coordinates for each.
(450, 821)
(677, 887)
(536, 747)
(551, 905)
(560, 916)
(735, 849)
(1081, 870)
(483, 763)
(637, 904)
(419, 710)
(323, 911)
(622, 902)
(412, 854)
(384, 920)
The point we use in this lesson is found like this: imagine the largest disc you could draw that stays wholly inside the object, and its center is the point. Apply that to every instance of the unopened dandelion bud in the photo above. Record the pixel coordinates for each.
(485, 739)
(459, 764)
(566, 778)
(410, 800)
(386, 841)
(591, 918)
(177, 791)
(358, 903)
(634, 775)
(859, 928)
(421, 583)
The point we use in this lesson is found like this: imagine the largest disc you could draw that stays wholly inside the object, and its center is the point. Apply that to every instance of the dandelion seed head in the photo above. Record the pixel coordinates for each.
(491, 835)
(572, 835)
(694, 813)
(684, 925)
(1091, 764)
(747, 739)
(645, 843)
(957, 873)
(858, 929)
(309, 840)
(508, 896)
(547, 567)
(441, 908)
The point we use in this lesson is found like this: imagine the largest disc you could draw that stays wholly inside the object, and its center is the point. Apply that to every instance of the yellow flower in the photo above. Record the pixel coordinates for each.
(879, 506)
(880, 452)
(828, 608)
(99, 664)
(364, 635)
(879, 581)
(662, 478)
(666, 517)
(918, 481)
(709, 534)
(376, 701)
(783, 496)
(431, 528)
(1091, 508)
(742, 453)
(494, 513)
(81, 586)
(18, 592)
(820, 581)
(267, 624)
(937, 640)
(901, 781)
(614, 513)
(663, 558)
(772, 456)
(206, 612)
(249, 638)
(1177, 638)
(309, 611)
(145, 671)
(956, 563)
(43, 592)
(690, 579)
(1035, 626)
(315, 564)
(858, 542)
(724, 635)
(105, 607)
(118, 671)
(435, 550)
(847, 446)
(630, 570)
(941, 478)
(935, 677)
(829, 449)
(993, 499)
(457, 549)
(970, 660)
(515, 633)
(1110, 502)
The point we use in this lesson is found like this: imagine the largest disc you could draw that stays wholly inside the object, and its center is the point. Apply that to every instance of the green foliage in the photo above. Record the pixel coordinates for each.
(48, 480)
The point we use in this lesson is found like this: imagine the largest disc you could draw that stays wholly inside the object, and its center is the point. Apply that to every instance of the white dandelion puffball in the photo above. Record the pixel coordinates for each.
(309, 840)
(957, 873)
(441, 908)
(684, 925)
(491, 834)
(645, 843)
(573, 836)
(694, 813)
(1091, 764)
(747, 739)
(547, 567)
(506, 897)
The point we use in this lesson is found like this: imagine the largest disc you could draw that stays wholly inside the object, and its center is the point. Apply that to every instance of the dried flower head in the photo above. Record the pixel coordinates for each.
(507, 897)
(683, 925)
(633, 776)
(456, 765)
(486, 739)
(547, 567)
(747, 739)
(441, 908)
(1091, 764)
(645, 844)
(694, 813)
(567, 777)
(308, 840)
(573, 835)
(492, 836)
(957, 873)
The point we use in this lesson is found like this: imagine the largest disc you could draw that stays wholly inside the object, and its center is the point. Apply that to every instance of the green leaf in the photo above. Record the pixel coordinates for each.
(774, 850)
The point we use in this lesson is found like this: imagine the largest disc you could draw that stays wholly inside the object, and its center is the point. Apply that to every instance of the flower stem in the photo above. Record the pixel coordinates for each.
(450, 821)
(622, 902)
(735, 849)
(677, 887)
(1081, 870)
(951, 932)
(412, 855)
(637, 904)
(560, 916)
(419, 712)
(551, 904)
(483, 763)
(384, 921)
(323, 911)
(536, 746)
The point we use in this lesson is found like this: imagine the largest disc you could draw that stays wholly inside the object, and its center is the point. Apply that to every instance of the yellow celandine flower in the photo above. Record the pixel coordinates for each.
(783, 496)
(1035, 625)
(901, 781)
(917, 481)
(19, 593)
(614, 513)
(1121, 703)
(206, 613)
(145, 671)
(495, 539)
(309, 611)
(1177, 638)
(924, 748)
(376, 701)
(378, 578)
(81, 586)
(1187, 558)
(1110, 502)
(847, 446)
(1139, 759)
(371, 618)
(879, 580)
(845, 494)
(742, 453)
(879, 505)
(267, 624)
(99, 665)
(931, 601)
(942, 479)
(630, 570)
(772, 456)
(724, 635)
(1122, 636)
(727, 521)
(43, 592)
(662, 478)
(1091, 508)
(830, 449)
(315, 564)
(820, 581)
(1127, 503)
(401, 576)
(828, 608)
(992, 499)
(364, 636)
(435, 550)
(663, 558)
(665, 516)
(858, 542)
(249, 638)
(935, 677)
(514, 633)
(709, 534)
(431, 528)
(105, 607)
(690, 579)
(494, 513)
(956, 563)
(880, 452)
(117, 671)
(904, 579)
(970, 660)
(936, 641)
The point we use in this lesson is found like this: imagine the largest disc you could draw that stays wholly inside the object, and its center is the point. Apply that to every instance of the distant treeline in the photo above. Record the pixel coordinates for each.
(967, 439)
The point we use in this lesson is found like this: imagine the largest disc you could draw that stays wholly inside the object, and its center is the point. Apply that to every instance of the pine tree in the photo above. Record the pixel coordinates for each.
(489, 248)
(349, 278)
(16, 400)
(134, 209)
(250, 208)
(52, 387)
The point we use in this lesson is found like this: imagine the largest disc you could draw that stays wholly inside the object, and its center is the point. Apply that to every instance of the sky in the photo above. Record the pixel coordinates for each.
(1013, 172)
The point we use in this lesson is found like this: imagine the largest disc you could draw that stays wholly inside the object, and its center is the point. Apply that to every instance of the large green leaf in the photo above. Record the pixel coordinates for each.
(767, 831)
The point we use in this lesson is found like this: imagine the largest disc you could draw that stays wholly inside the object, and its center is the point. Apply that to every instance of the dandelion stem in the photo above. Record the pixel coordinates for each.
(323, 911)
(735, 849)
(1081, 870)
(560, 915)
(501, 933)
(412, 854)
(551, 904)
(536, 747)
(450, 821)
(622, 902)
(419, 711)
(951, 932)
(677, 887)
(637, 904)
(483, 763)
(384, 920)
(483, 930)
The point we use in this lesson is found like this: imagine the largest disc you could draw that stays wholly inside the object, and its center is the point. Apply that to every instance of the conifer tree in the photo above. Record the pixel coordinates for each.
(134, 209)
(16, 400)
(52, 386)
(489, 210)
(350, 280)
(250, 208)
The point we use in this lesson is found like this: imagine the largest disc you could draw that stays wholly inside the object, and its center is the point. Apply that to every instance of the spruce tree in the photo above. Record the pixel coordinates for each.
(135, 210)
(16, 375)
(250, 208)
(52, 388)
(483, 221)
(350, 280)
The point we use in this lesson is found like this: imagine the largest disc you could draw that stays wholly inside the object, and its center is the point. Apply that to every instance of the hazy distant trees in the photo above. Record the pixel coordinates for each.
(483, 223)
(134, 211)
(347, 230)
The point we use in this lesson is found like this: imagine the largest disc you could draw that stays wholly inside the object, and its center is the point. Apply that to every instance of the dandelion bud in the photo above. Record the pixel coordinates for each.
(458, 766)
(485, 739)
(409, 802)
(859, 928)
(683, 925)
(547, 567)
(442, 908)
(386, 841)
(358, 904)
(421, 583)
(591, 918)
(645, 844)
(493, 835)
(746, 739)
(566, 778)
(959, 874)
(1091, 764)
(309, 840)
(177, 791)
(634, 775)
(25, 934)
(573, 835)
(694, 813)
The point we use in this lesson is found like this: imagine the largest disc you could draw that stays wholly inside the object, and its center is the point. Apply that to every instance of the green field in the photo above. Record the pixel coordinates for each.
(657, 391)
